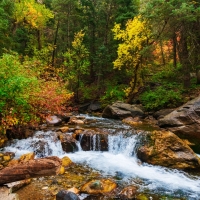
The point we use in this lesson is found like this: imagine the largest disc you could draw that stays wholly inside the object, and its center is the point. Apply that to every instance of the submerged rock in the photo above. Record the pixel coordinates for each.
(128, 192)
(99, 186)
(66, 195)
(120, 110)
(166, 149)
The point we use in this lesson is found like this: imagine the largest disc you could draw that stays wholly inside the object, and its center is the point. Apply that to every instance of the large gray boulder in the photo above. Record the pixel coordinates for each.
(185, 122)
(120, 110)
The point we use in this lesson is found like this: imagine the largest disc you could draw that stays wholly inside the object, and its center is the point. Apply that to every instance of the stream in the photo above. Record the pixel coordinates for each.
(119, 161)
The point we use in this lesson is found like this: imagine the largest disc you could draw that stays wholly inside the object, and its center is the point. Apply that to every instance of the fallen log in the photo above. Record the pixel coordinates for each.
(31, 169)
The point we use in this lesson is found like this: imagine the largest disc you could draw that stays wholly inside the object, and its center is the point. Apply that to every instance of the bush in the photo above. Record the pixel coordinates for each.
(160, 97)
(113, 93)
(24, 98)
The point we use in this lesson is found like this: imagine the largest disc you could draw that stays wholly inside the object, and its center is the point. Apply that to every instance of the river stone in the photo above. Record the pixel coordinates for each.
(166, 149)
(68, 142)
(185, 122)
(66, 195)
(120, 110)
(53, 120)
(66, 161)
(128, 192)
(99, 186)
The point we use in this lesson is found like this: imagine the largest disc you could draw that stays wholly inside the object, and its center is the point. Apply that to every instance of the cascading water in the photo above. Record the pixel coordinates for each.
(120, 160)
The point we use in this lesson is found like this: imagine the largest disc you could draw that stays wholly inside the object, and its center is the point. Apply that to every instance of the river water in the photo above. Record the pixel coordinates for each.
(119, 161)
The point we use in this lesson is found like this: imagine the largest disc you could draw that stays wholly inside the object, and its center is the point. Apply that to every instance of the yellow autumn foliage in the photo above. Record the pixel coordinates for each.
(133, 39)
(31, 13)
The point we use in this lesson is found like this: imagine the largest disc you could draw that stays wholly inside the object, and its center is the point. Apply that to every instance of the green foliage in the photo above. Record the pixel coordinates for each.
(24, 97)
(161, 97)
(16, 84)
(76, 63)
(6, 7)
(113, 93)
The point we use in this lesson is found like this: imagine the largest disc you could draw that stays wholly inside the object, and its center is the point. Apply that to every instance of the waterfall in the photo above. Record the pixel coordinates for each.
(42, 144)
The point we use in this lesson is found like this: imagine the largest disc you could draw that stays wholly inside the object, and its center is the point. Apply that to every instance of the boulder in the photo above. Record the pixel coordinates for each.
(166, 149)
(120, 110)
(96, 140)
(68, 142)
(99, 186)
(185, 122)
(93, 106)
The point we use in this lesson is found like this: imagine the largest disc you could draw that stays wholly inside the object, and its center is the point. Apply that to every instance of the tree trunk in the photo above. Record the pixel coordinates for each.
(33, 168)
(174, 50)
(184, 57)
(54, 45)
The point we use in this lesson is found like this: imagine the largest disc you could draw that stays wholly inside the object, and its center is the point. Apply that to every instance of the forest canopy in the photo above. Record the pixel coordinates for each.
(55, 53)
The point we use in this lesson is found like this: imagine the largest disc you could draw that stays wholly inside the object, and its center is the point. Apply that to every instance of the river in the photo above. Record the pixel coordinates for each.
(120, 160)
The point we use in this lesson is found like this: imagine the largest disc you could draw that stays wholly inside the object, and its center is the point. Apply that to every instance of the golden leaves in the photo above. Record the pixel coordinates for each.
(31, 13)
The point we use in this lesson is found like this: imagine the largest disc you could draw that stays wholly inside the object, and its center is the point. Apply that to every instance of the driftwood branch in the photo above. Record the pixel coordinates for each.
(30, 169)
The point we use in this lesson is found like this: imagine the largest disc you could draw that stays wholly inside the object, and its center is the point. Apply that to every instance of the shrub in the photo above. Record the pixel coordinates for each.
(24, 98)
(160, 97)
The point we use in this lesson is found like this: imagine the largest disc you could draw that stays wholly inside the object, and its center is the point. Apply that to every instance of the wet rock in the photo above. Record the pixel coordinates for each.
(66, 195)
(27, 157)
(53, 120)
(64, 129)
(66, 161)
(185, 122)
(120, 110)
(128, 192)
(76, 120)
(99, 186)
(92, 140)
(5, 158)
(166, 149)
(62, 170)
(41, 148)
(68, 142)
(132, 121)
